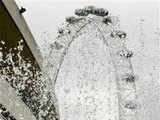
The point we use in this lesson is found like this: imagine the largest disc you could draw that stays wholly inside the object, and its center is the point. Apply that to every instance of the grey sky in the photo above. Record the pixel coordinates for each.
(45, 15)
(140, 20)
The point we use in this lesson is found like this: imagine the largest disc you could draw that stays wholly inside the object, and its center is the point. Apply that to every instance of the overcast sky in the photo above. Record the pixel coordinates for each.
(45, 15)
(140, 20)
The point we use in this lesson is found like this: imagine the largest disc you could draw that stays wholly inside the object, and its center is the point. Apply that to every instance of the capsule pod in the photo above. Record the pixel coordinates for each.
(129, 78)
(130, 105)
(71, 19)
(126, 53)
(121, 34)
(102, 12)
(81, 12)
(90, 9)
(107, 20)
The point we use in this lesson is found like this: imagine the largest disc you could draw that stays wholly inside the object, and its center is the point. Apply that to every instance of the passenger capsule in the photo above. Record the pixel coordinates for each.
(121, 34)
(81, 12)
(101, 12)
(90, 9)
(107, 20)
(126, 53)
(70, 19)
(130, 105)
(129, 78)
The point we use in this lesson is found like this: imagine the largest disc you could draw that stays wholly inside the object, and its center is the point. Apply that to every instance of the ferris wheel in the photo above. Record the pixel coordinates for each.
(93, 77)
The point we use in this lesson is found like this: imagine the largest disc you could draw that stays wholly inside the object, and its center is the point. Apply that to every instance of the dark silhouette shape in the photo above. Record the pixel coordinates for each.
(22, 10)
(129, 78)
(107, 20)
(130, 105)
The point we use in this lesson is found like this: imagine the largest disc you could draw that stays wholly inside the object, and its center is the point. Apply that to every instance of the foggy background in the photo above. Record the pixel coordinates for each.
(45, 15)
(141, 22)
